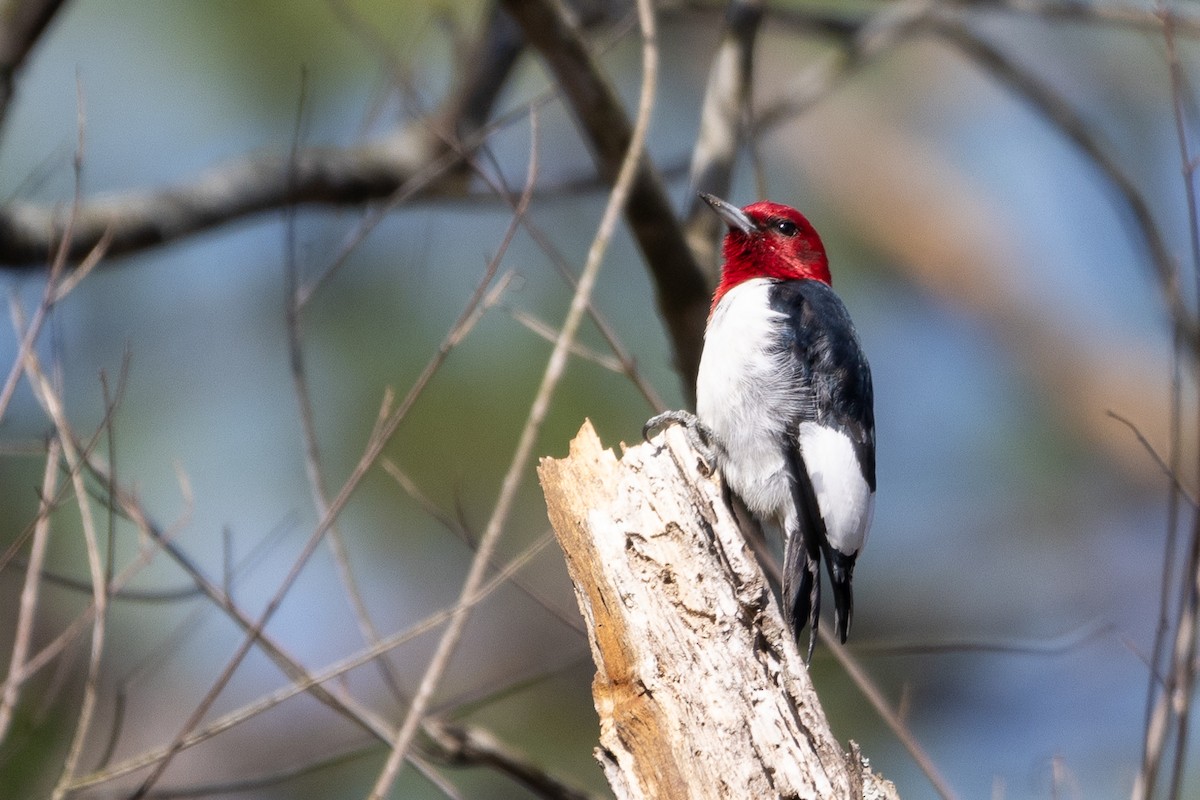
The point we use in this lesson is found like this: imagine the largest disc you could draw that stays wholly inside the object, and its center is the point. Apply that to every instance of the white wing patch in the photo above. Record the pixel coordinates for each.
(847, 502)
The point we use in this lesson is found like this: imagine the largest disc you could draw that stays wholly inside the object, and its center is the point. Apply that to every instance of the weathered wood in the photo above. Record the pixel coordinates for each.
(700, 691)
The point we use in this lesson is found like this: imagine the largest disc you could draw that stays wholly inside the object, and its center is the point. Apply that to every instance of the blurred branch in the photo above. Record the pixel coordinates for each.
(624, 182)
(1174, 690)
(51, 401)
(485, 72)
(314, 682)
(405, 161)
(467, 745)
(890, 716)
(701, 691)
(387, 424)
(308, 427)
(459, 529)
(725, 121)
(1164, 467)
(681, 289)
(414, 159)
(30, 590)
(1135, 17)
(22, 23)
(1058, 111)
(861, 38)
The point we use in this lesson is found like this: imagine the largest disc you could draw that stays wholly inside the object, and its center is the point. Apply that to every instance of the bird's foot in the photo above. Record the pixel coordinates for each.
(699, 436)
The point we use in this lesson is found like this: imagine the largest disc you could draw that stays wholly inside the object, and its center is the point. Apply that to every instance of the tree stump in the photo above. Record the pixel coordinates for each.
(700, 690)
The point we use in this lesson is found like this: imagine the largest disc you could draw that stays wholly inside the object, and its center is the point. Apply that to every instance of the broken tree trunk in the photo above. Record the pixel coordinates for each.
(700, 690)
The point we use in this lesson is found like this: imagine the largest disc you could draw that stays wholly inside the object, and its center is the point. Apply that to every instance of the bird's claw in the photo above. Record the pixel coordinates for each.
(660, 421)
(699, 436)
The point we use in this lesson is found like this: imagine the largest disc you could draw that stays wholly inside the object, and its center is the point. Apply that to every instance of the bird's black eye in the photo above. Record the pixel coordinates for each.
(786, 227)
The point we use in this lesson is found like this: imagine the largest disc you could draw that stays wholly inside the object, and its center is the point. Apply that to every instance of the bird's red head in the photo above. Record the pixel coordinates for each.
(768, 240)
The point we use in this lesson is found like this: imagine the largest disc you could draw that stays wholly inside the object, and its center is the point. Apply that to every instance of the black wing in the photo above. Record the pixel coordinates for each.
(836, 381)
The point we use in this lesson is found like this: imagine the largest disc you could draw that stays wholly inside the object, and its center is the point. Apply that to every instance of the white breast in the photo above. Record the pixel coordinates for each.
(744, 395)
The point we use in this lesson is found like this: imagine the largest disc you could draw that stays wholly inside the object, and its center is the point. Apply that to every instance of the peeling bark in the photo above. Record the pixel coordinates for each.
(701, 692)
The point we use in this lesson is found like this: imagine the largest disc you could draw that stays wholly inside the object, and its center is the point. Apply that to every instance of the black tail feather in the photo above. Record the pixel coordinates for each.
(841, 572)
(802, 562)
(802, 586)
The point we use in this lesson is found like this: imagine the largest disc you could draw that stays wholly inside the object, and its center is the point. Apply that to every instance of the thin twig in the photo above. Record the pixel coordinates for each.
(49, 398)
(862, 42)
(466, 744)
(308, 427)
(681, 291)
(24, 22)
(1052, 646)
(69, 634)
(52, 404)
(544, 331)
(1183, 673)
(550, 379)
(54, 292)
(309, 681)
(891, 718)
(1051, 105)
(1117, 15)
(725, 122)
(456, 527)
(374, 448)
(157, 538)
(1172, 474)
(30, 590)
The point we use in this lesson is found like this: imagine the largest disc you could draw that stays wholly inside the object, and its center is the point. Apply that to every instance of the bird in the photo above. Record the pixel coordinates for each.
(785, 405)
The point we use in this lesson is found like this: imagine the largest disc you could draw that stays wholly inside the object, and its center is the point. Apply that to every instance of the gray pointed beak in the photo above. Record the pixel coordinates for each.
(734, 217)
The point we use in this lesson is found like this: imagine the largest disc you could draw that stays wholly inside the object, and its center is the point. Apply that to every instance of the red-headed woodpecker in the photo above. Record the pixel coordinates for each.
(784, 404)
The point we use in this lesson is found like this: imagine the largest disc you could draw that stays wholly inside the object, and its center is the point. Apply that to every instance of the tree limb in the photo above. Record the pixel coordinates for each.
(22, 23)
(700, 690)
(418, 158)
(681, 289)
(725, 121)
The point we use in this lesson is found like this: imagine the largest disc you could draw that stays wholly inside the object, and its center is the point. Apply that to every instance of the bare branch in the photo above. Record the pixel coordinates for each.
(22, 23)
(51, 402)
(313, 683)
(725, 121)
(30, 589)
(625, 180)
(1163, 465)
(414, 159)
(470, 745)
(1055, 108)
(1175, 700)
(862, 41)
(308, 427)
(682, 291)
(235, 190)
(386, 426)
(1134, 17)
(889, 715)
